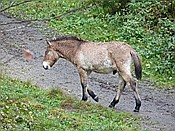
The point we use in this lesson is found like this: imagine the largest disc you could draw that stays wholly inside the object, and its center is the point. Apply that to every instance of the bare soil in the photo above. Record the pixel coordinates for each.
(158, 106)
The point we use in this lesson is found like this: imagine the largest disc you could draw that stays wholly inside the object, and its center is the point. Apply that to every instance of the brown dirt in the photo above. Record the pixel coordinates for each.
(158, 106)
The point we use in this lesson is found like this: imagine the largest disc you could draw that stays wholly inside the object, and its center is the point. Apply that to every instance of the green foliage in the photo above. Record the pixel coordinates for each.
(158, 38)
(26, 107)
(148, 26)
(109, 6)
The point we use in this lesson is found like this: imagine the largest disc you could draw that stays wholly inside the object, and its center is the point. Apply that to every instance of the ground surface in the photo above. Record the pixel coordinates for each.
(158, 106)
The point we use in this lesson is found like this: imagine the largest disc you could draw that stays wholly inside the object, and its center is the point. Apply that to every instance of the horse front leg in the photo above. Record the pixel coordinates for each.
(83, 79)
(92, 94)
(84, 83)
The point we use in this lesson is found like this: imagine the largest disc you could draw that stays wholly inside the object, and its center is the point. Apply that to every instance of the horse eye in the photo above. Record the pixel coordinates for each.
(46, 52)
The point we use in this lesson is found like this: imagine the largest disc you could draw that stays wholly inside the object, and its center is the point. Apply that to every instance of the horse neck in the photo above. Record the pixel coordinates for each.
(68, 49)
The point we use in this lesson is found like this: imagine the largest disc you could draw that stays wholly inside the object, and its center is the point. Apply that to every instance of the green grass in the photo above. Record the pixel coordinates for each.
(26, 107)
(151, 34)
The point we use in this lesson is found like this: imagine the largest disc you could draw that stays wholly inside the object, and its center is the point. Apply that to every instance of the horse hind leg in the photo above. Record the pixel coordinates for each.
(128, 78)
(136, 95)
(131, 82)
(119, 90)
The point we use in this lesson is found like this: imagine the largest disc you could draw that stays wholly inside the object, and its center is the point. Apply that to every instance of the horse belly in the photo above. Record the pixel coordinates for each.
(104, 68)
(99, 64)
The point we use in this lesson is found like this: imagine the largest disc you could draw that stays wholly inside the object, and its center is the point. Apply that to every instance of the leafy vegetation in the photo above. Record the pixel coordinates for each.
(26, 107)
(148, 26)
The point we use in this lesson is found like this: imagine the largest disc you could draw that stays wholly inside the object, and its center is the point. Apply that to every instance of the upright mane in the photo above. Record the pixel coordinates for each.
(65, 37)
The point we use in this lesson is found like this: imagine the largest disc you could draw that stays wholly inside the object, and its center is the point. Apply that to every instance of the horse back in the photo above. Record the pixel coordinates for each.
(106, 55)
(101, 50)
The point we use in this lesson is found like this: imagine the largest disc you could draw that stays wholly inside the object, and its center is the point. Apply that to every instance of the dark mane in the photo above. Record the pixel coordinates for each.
(60, 38)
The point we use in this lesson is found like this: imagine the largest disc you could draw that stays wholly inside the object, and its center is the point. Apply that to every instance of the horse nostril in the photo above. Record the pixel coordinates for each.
(46, 67)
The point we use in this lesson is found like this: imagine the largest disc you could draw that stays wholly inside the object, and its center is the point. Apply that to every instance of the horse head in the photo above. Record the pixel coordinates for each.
(51, 56)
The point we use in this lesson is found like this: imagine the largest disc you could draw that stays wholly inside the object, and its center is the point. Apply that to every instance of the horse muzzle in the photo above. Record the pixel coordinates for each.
(46, 66)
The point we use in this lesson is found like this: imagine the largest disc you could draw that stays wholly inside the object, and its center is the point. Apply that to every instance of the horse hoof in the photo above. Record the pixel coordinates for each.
(113, 103)
(84, 98)
(111, 106)
(96, 98)
(135, 110)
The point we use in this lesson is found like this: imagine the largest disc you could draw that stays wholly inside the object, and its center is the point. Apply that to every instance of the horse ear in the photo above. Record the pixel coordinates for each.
(48, 42)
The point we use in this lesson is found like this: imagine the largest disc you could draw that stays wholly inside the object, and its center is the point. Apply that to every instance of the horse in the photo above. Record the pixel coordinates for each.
(99, 57)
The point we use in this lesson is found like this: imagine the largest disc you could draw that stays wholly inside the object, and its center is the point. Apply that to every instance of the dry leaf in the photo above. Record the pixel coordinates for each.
(28, 54)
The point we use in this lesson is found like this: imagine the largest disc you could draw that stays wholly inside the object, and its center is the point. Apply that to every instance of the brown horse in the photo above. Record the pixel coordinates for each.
(99, 57)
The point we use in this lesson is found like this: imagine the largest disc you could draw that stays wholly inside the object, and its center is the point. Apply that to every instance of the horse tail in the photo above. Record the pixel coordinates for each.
(137, 65)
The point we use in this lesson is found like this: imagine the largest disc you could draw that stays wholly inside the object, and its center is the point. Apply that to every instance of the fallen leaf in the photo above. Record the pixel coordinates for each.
(28, 54)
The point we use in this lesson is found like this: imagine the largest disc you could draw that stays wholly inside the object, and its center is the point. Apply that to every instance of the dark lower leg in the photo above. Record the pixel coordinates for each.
(113, 103)
(85, 96)
(93, 95)
(136, 96)
(122, 85)
(138, 104)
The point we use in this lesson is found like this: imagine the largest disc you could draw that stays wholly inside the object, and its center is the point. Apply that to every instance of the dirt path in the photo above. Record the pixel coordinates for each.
(158, 108)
